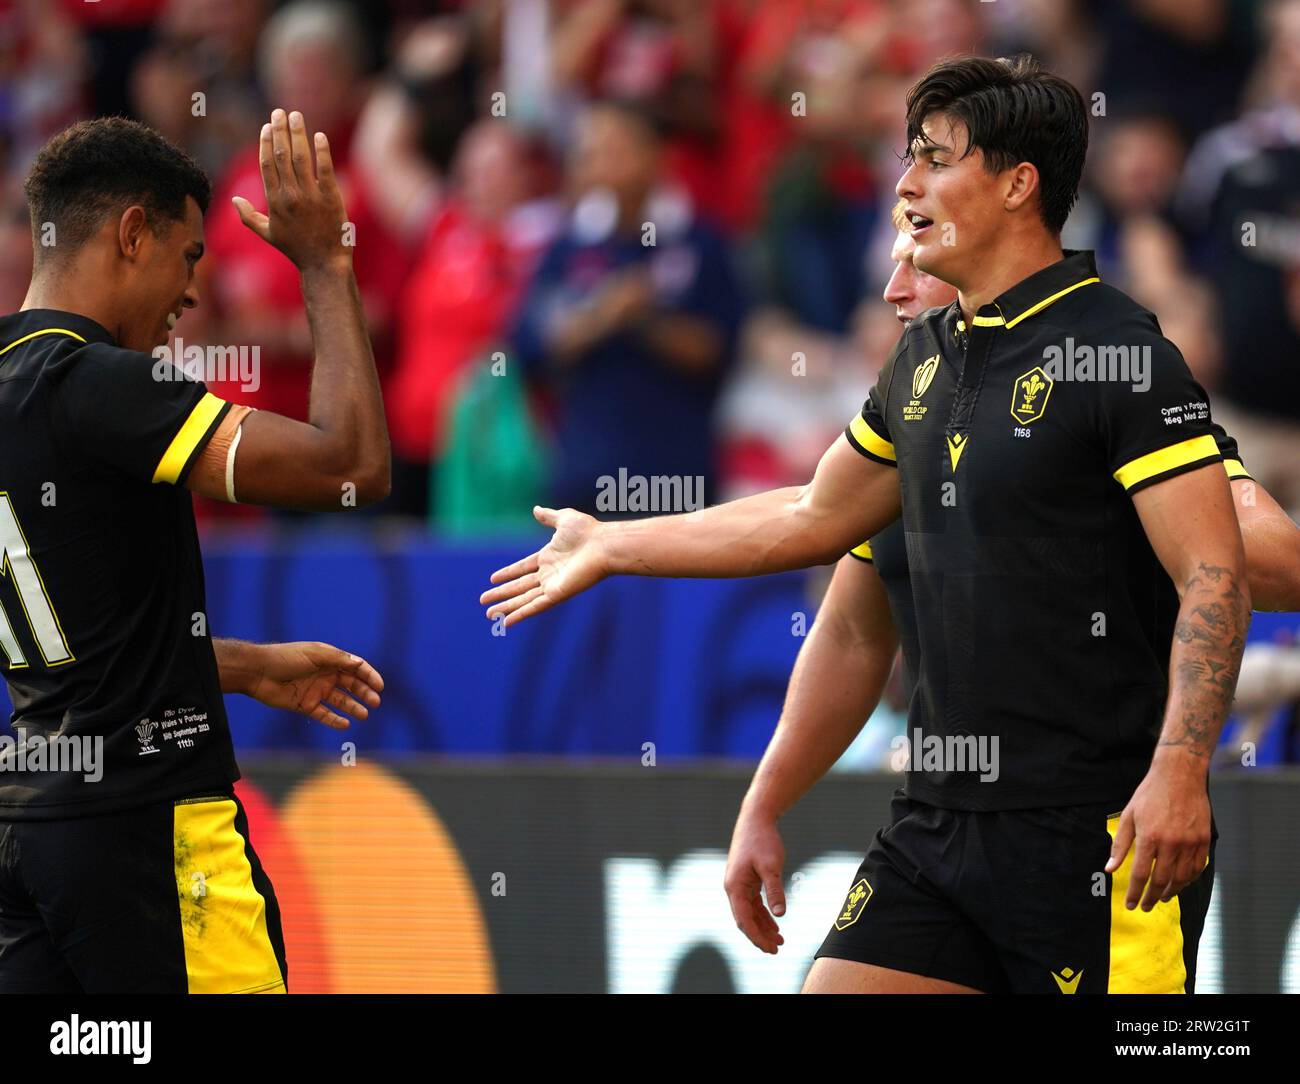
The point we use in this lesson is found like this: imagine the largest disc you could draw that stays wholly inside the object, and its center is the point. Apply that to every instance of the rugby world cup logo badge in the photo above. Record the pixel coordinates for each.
(144, 732)
(922, 378)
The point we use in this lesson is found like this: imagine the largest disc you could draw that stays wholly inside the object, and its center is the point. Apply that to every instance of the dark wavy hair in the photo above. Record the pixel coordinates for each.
(1014, 112)
(100, 167)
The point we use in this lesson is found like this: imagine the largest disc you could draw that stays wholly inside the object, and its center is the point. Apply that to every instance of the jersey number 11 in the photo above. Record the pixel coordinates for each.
(17, 566)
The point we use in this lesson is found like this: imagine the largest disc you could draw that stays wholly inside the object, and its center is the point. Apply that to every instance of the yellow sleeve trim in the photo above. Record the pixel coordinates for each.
(862, 552)
(187, 438)
(1236, 469)
(870, 440)
(1166, 459)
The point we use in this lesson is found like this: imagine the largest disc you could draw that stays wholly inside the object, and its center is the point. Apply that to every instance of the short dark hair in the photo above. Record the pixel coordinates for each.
(96, 167)
(1014, 112)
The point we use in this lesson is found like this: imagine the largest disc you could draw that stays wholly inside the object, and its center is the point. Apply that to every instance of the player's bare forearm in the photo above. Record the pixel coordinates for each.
(837, 680)
(1192, 526)
(1167, 821)
(1272, 543)
(320, 681)
(1209, 639)
(237, 664)
(337, 460)
(850, 498)
(1190, 523)
(347, 406)
(767, 532)
(836, 683)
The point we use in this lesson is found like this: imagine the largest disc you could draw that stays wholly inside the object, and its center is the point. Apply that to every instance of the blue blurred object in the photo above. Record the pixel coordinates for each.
(699, 667)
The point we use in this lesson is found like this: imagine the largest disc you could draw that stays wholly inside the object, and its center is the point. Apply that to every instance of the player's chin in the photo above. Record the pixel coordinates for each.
(926, 255)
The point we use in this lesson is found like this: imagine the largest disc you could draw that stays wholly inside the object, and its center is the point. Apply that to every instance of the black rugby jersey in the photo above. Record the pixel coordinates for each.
(1043, 617)
(102, 614)
(887, 551)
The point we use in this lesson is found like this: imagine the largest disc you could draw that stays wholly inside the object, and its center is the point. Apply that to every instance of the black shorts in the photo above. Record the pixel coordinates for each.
(164, 898)
(1015, 902)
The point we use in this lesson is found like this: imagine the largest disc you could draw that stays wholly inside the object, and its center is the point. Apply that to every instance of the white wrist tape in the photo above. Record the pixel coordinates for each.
(230, 465)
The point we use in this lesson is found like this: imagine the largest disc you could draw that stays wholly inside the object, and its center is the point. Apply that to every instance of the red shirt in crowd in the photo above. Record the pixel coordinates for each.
(455, 307)
(246, 271)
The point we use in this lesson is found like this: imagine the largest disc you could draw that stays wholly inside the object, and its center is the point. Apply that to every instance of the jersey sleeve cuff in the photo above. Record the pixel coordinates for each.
(1168, 462)
(870, 443)
(190, 439)
(1236, 469)
(862, 552)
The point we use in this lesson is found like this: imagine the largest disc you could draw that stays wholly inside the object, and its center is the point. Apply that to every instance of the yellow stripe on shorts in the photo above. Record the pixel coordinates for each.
(223, 915)
(1146, 947)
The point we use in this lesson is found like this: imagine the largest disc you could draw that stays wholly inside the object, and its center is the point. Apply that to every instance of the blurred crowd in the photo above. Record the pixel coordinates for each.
(652, 235)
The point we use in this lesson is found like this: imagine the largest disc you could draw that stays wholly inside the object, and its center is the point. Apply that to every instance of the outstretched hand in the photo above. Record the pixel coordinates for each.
(567, 565)
(316, 680)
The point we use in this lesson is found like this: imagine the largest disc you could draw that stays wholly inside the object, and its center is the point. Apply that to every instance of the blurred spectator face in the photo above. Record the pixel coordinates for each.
(876, 107)
(956, 201)
(229, 27)
(313, 77)
(829, 73)
(1192, 20)
(910, 291)
(311, 62)
(1187, 318)
(831, 55)
(1138, 165)
(938, 28)
(491, 170)
(161, 84)
(614, 150)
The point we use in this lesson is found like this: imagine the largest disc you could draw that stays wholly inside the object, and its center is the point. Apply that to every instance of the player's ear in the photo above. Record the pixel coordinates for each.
(1022, 185)
(130, 231)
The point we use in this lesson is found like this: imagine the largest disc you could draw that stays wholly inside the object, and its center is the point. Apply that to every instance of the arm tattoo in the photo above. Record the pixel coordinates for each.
(1208, 641)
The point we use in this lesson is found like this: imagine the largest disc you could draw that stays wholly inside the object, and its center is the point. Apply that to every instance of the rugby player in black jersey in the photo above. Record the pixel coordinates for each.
(866, 615)
(1077, 571)
(141, 877)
